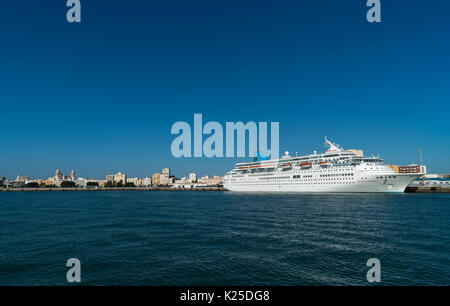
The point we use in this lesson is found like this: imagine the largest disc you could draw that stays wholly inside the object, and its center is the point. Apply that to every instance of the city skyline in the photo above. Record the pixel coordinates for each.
(163, 179)
(73, 175)
(101, 96)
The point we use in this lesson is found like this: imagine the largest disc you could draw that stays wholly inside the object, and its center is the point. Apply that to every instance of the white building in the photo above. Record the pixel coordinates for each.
(193, 177)
(147, 182)
(165, 177)
(81, 182)
(166, 171)
(137, 182)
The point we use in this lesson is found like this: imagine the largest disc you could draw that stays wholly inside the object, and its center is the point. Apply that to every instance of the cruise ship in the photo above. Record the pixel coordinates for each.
(336, 170)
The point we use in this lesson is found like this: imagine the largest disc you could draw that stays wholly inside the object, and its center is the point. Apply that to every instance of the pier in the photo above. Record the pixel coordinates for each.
(422, 189)
(428, 189)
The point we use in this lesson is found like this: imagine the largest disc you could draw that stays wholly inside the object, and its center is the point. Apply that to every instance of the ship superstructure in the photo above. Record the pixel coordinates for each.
(336, 170)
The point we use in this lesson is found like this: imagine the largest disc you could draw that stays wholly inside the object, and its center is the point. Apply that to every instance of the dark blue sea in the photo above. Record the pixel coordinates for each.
(223, 238)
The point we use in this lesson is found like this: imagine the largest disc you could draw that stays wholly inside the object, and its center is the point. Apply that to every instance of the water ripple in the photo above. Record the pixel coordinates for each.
(223, 238)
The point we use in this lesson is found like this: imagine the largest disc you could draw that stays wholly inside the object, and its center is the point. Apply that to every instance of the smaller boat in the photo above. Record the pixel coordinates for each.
(305, 165)
(324, 163)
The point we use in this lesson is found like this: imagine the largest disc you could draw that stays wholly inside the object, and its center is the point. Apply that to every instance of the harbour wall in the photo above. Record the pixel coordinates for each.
(428, 189)
(422, 189)
(114, 189)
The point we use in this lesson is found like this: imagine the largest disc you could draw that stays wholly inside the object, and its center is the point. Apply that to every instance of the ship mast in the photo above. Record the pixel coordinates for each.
(333, 147)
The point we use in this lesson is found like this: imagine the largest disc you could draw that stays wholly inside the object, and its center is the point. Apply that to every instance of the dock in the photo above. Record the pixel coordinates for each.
(428, 189)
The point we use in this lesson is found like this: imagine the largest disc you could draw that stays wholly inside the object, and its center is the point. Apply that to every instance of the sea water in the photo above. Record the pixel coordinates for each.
(223, 238)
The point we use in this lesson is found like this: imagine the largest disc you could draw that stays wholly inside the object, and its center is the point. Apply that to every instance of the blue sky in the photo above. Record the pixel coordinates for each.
(101, 96)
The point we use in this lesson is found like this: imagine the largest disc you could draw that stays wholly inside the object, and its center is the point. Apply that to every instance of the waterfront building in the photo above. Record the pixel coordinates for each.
(147, 182)
(22, 178)
(40, 182)
(412, 169)
(6, 183)
(120, 178)
(80, 182)
(409, 169)
(393, 167)
(19, 182)
(432, 180)
(165, 177)
(192, 177)
(58, 175)
(156, 179)
(136, 181)
(162, 179)
(114, 180)
(214, 181)
(47, 183)
(166, 171)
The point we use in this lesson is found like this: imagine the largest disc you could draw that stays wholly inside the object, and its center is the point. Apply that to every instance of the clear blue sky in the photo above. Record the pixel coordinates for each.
(101, 96)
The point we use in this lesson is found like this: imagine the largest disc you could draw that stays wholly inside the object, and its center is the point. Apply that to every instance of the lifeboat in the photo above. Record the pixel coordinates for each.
(324, 163)
(287, 165)
(252, 167)
(305, 165)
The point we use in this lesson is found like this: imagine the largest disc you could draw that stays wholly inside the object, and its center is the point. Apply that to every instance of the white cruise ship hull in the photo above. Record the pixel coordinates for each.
(374, 184)
(336, 170)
